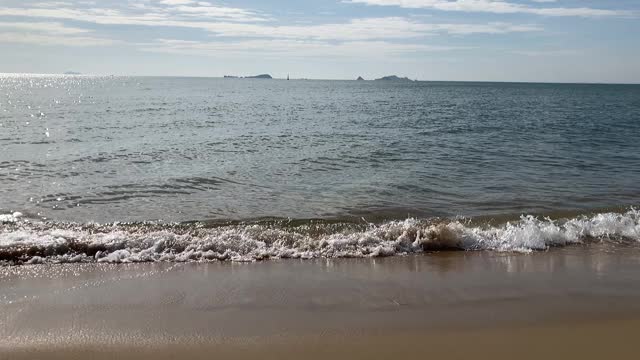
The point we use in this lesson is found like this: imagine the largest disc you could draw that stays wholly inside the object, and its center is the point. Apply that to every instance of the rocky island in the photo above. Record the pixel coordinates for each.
(360, 78)
(393, 78)
(261, 76)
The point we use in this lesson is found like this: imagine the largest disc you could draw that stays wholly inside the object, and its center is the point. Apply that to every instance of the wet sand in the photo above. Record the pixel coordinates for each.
(598, 340)
(576, 302)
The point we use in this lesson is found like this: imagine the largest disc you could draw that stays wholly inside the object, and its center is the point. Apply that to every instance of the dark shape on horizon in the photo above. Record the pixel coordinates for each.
(230, 77)
(287, 76)
(393, 78)
(261, 76)
(72, 73)
(360, 78)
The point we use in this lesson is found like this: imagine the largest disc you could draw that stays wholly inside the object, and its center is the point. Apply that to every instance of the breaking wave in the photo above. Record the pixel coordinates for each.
(23, 241)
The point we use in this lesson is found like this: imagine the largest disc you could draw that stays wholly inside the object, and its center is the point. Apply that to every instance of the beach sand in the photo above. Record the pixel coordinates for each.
(597, 340)
(577, 302)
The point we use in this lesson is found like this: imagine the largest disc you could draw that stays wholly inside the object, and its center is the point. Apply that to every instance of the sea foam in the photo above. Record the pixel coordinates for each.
(27, 242)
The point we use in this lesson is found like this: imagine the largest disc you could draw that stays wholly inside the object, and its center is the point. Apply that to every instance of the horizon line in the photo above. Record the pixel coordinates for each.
(318, 79)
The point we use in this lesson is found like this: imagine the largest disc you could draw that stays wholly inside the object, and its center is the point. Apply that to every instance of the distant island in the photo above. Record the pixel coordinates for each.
(360, 78)
(393, 78)
(261, 76)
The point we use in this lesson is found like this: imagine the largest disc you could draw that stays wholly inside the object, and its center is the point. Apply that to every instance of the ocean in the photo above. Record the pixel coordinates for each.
(154, 169)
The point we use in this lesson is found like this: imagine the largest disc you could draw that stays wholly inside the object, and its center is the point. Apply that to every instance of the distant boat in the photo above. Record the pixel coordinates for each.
(287, 76)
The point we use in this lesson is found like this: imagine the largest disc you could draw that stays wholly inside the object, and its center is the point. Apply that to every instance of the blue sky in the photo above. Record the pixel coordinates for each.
(507, 40)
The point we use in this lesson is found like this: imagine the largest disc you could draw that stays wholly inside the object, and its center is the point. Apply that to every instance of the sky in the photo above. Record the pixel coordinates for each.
(465, 40)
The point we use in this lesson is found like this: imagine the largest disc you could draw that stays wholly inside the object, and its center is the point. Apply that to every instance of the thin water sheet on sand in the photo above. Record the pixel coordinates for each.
(414, 304)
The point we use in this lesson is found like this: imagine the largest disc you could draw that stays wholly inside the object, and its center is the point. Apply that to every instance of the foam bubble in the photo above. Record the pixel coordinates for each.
(22, 241)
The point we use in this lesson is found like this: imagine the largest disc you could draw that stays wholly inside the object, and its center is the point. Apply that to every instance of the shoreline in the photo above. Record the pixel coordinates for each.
(492, 303)
(23, 242)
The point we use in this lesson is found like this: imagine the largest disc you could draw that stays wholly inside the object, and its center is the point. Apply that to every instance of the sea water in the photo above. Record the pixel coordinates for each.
(177, 169)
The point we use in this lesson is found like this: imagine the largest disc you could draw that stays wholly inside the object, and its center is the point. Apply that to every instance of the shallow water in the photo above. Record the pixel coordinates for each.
(168, 303)
(357, 157)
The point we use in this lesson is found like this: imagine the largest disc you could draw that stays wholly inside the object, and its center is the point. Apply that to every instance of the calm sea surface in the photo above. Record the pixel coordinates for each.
(103, 149)
(177, 149)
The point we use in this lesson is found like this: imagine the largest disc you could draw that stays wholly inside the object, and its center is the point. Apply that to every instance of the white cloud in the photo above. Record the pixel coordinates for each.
(292, 48)
(52, 4)
(176, 2)
(217, 12)
(378, 35)
(48, 40)
(493, 6)
(357, 29)
(48, 33)
(136, 13)
(48, 27)
(362, 29)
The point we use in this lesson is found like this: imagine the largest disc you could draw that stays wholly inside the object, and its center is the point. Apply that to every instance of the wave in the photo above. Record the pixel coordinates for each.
(23, 241)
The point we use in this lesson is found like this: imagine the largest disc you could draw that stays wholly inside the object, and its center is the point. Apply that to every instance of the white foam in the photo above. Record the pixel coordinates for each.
(24, 242)
(7, 218)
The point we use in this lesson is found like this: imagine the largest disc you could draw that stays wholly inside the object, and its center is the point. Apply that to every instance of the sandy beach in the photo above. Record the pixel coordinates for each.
(565, 302)
(361, 179)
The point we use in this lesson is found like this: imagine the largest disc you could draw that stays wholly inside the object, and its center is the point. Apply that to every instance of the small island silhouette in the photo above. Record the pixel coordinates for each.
(393, 78)
(360, 78)
(261, 76)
